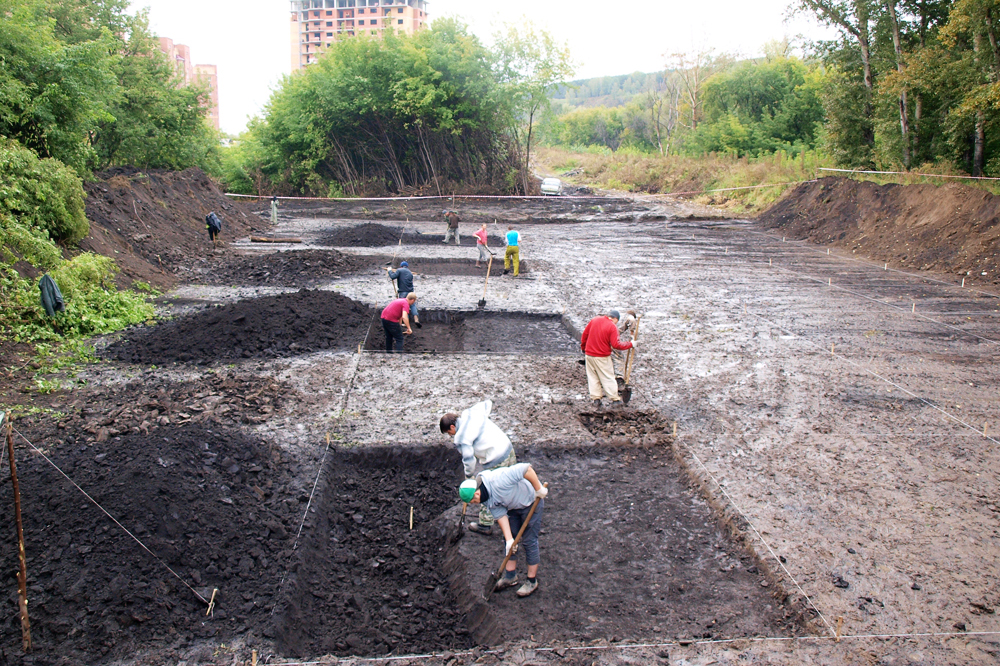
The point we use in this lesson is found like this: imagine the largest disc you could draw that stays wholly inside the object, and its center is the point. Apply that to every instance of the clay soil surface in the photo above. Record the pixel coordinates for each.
(811, 437)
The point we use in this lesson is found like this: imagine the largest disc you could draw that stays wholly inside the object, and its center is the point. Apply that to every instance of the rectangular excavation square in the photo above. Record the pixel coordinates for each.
(483, 331)
(629, 553)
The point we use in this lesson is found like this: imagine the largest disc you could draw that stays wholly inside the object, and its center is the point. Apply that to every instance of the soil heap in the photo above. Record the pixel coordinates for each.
(152, 222)
(205, 501)
(379, 235)
(299, 268)
(950, 228)
(266, 327)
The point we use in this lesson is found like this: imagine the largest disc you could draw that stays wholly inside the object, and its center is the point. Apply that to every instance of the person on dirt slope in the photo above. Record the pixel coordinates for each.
(626, 329)
(394, 317)
(513, 252)
(598, 339)
(451, 230)
(482, 236)
(508, 494)
(480, 440)
(214, 226)
(404, 285)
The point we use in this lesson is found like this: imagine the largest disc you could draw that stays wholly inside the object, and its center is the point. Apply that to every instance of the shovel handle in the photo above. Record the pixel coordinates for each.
(489, 267)
(517, 539)
(631, 352)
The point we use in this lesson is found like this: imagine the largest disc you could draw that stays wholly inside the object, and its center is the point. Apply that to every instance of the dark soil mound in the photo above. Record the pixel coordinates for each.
(204, 501)
(366, 583)
(152, 222)
(269, 327)
(379, 235)
(951, 228)
(294, 268)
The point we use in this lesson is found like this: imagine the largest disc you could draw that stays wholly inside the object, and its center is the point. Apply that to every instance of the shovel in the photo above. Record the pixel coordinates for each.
(625, 392)
(489, 266)
(491, 582)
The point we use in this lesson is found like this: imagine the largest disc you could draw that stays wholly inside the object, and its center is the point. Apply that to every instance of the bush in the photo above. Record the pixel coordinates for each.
(41, 195)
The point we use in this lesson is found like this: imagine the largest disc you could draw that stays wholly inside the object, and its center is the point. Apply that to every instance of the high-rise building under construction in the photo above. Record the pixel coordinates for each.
(316, 24)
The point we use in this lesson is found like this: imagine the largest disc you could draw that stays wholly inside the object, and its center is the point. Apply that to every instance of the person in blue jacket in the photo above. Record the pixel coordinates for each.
(404, 285)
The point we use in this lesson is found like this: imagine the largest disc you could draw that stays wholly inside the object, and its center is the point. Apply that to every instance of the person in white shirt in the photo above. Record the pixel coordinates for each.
(481, 441)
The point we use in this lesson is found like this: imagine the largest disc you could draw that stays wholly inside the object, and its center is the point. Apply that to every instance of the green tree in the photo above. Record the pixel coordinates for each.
(529, 65)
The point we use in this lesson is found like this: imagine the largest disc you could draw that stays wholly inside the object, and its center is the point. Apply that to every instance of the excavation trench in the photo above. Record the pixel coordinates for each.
(483, 331)
(629, 552)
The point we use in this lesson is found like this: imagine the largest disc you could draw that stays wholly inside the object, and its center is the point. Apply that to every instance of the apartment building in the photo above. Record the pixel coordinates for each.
(208, 75)
(316, 24)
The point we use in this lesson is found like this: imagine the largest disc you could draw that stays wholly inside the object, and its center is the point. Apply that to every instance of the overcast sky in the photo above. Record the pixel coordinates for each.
(249, 39)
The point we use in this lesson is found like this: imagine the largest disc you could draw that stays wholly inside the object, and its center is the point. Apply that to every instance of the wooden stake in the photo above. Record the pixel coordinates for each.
(914, 308)
(828, 250)
(840, 625)
(963, 282)
(769, 261)
(829, 282)
(211, 603)
(411, 517)
(886, 267)
(675, 429)
(985, 426)
(831, 348)
(253, 658)
(22, 573)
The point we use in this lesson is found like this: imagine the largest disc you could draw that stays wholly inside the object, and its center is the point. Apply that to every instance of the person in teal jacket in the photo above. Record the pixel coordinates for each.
(513, 252)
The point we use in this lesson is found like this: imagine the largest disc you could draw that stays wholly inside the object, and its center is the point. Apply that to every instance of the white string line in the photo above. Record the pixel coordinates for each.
(907, 173)
(326, 451)
(876, 375)
(805, 245)
(645, 646)
(115, 520)
(918, 315)
(763, 541)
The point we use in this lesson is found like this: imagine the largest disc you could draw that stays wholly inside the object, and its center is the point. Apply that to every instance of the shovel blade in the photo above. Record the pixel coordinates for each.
(625, 394)
(482, 303)
(491, 585)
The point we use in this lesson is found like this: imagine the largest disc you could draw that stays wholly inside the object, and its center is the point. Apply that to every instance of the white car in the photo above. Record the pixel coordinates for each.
(552, 186)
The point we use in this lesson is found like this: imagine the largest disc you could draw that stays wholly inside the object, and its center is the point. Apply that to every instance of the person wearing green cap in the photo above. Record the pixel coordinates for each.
(508, 493)
(481, 441)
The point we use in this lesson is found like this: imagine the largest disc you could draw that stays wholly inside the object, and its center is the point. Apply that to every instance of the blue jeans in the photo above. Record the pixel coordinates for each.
(529, 540)
(393, 332)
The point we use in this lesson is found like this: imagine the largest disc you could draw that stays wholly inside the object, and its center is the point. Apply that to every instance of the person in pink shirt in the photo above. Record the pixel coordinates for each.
(481, 238)
(395, 317)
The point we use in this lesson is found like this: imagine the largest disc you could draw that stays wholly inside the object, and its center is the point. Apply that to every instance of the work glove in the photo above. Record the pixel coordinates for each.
(541, 493)
(635, 344)
(510, 549)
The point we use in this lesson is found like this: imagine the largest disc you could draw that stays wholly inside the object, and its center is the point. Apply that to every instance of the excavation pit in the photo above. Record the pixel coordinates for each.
(451, 266)
(482, 332)
(629, 552)
(380, 235)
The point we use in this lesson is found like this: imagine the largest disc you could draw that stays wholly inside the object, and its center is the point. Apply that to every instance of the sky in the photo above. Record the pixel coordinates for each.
(249, 39)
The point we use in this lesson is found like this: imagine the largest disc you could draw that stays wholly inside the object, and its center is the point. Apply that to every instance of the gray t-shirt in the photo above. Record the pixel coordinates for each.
(508, 489)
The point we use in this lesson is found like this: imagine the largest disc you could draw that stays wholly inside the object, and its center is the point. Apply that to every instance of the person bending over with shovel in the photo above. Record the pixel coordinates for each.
(509, 494)
(479, 440)
(597, 340)
(395, 317)
(482, 237)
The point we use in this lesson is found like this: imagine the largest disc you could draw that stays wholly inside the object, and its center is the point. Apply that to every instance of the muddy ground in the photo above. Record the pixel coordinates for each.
(834, 463)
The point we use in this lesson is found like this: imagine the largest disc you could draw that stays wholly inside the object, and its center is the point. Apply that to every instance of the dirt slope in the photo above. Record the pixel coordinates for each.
(153, 221)
(951, 229)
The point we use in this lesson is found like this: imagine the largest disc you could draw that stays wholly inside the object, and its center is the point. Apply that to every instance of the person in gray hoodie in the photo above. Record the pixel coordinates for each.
(508, 493)
(481, 441)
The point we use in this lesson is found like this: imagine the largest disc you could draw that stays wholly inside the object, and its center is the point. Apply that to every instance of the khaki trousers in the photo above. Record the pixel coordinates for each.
(601, 378)
(513, 252)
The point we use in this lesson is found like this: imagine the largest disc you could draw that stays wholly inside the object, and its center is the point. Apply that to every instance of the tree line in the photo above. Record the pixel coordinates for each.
(436, 109)
(907, 83)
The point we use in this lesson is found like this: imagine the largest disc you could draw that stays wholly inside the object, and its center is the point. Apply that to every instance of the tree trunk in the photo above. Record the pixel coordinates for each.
(904, 124)
(979, 142)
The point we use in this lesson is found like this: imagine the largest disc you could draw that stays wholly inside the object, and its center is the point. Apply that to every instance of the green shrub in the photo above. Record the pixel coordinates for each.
(41, 195)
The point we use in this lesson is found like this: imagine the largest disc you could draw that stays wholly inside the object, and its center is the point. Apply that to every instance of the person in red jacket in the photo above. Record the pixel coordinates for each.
(597, 341)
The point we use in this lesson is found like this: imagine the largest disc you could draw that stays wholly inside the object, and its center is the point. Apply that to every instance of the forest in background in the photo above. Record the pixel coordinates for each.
(909, 83)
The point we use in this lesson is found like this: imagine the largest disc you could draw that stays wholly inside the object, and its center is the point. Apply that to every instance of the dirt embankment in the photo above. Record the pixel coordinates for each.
(152, 222)
(952, 228)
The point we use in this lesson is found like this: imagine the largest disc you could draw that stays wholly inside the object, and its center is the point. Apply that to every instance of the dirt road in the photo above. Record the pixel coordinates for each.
(829, 470)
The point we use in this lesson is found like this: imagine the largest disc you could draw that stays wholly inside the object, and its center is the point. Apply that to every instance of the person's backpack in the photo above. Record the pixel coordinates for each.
(52, 298)
(213, 222)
